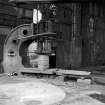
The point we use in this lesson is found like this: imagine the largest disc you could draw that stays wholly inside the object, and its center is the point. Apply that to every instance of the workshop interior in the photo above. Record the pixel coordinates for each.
(52, 52)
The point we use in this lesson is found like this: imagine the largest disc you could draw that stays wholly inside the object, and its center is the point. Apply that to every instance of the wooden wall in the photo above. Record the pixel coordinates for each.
(83, 35)
(93, 34)
(68, 54)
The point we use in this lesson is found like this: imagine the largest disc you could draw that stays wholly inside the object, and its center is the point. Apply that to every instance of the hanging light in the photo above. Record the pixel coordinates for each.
(37, 16)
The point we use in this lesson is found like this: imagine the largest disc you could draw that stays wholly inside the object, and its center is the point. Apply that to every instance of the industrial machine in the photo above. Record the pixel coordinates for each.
(30, 47)
(23, 49)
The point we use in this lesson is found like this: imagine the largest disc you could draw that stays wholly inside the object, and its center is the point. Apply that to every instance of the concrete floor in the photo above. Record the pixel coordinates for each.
(68, 93)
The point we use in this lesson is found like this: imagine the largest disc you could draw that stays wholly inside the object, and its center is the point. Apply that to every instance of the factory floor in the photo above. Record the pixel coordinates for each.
(76, 93)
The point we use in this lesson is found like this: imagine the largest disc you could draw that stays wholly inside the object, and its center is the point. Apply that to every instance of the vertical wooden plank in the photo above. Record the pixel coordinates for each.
(75, 46)
(69, 52)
